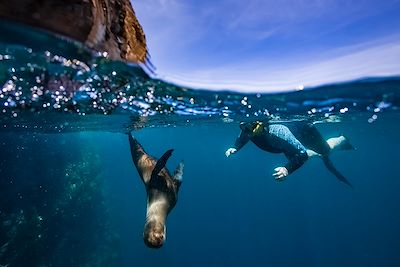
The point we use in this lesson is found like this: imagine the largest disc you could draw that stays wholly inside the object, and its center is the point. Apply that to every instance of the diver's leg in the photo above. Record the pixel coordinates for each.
(310, 137)
(339, 143)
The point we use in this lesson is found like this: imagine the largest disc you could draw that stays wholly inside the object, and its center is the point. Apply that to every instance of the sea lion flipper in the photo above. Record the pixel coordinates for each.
(135, 147)
(178, 174)
(161, 162)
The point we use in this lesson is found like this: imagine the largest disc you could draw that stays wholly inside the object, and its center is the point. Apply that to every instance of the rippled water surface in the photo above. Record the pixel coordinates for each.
(72, 91)
(70, 195)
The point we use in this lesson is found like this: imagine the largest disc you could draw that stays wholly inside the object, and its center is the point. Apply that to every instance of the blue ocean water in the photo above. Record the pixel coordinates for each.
(231, 212)
(71, 196)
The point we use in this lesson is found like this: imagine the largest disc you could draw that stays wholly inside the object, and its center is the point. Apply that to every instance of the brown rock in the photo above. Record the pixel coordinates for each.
(103, 25)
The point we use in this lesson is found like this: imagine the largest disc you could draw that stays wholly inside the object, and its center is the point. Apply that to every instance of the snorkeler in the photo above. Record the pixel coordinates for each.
(298, 143)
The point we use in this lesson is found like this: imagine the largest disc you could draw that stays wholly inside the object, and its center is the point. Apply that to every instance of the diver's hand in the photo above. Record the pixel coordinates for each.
(230, 151)
(280, 173)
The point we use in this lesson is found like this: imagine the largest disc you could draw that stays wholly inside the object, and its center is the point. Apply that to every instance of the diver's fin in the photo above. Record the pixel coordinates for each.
(161, 162)
(329, 165)
(340, 143)
(346, 145)
(178, 174)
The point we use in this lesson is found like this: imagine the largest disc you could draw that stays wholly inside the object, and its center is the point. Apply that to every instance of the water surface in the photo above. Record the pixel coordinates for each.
(70, 195)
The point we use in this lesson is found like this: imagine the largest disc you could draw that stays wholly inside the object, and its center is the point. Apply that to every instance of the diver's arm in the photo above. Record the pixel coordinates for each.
(296, 160)
(239, 143)
(242, 139)
(295, 152)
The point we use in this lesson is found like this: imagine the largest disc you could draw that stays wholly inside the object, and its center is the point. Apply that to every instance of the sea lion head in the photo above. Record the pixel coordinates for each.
(154, 234)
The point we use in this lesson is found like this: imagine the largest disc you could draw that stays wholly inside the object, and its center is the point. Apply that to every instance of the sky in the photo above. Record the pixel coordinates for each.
(270, 45)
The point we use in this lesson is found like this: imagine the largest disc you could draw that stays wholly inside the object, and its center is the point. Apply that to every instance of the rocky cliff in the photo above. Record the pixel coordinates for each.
(103, 25)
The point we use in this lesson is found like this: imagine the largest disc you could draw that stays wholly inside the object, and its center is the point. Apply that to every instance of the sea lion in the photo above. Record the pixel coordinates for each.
(161, 188)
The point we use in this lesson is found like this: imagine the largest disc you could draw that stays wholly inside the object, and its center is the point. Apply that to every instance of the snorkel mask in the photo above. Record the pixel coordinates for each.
(253, 128)
(258, 128)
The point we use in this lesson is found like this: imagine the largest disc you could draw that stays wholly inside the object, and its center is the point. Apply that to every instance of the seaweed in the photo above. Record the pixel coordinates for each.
(53, 209)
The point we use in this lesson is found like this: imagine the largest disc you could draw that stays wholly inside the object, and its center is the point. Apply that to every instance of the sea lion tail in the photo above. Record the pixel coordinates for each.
(162, 162)
(329, 165)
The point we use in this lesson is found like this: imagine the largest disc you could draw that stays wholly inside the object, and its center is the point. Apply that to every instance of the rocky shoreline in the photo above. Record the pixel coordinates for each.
(107, 26)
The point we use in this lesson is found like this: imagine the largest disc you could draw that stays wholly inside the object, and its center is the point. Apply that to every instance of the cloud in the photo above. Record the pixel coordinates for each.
(380, 60)
(266, 45)
(167, 24)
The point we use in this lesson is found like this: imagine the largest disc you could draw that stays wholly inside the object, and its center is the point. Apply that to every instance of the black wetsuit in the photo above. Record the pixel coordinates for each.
(292, 139)
(277, 138)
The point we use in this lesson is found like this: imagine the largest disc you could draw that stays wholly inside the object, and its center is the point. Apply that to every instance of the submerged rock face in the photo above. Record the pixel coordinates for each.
(102, 25)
